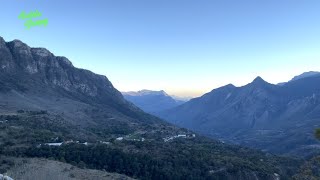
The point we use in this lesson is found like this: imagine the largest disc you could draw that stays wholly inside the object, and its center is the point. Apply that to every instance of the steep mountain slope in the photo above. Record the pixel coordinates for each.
(50, 109)
(301, 76)
(35, 79)
(274, 118)
(152, 101)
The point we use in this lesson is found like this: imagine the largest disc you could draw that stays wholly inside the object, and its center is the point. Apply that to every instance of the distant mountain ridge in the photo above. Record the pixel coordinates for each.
(145, 92)
(152, 101)
(301, 76)
(44, 99)
(305, 75)
(181, 98)
(262, 115)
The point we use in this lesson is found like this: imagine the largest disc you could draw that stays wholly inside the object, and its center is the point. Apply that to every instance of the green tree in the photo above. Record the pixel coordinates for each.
(317, 133)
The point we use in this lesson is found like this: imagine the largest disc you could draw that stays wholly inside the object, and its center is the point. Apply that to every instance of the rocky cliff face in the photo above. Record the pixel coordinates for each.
(19, 58)
(34, 78)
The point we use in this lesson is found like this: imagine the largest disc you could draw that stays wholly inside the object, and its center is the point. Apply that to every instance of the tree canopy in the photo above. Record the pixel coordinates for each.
(317, 133)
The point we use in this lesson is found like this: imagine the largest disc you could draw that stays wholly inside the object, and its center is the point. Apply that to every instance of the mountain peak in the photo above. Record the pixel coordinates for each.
(20, 49)
(258, 80)
(229, 86)
(19, 44)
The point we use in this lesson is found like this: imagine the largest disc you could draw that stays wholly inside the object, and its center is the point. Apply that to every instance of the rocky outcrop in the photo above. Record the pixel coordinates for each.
(34, 78)
(38, 64)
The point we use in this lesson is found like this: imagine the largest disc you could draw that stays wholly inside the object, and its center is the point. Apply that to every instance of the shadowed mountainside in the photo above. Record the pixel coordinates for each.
(274, 118)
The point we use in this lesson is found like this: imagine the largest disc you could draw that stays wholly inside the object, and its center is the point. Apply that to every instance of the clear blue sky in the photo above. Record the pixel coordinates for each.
(184, 47)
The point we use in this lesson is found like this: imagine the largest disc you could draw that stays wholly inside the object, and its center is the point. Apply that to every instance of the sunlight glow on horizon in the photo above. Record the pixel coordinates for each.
(184, 47)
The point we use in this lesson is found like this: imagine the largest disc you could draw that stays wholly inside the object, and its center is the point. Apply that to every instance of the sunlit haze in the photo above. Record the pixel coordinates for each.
(186, 48)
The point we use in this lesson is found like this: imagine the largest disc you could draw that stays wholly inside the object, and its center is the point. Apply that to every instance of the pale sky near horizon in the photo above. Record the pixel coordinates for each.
(185, 47)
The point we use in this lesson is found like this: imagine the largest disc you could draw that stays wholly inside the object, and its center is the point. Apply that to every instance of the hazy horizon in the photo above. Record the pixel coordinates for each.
(200, 94)
(186, 48)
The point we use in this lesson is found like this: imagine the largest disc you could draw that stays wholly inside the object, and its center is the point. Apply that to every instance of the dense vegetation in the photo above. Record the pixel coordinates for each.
(317, 134)
(170, 161)
(197, 158)
(310, 170)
